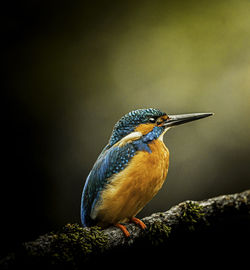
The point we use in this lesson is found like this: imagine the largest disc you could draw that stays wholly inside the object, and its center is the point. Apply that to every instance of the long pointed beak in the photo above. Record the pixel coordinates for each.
(174, 120)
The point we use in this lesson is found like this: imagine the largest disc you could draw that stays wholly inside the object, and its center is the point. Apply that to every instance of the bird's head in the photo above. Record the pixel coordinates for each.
(149, 123)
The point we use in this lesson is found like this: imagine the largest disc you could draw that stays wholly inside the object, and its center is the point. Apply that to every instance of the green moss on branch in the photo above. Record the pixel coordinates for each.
(191, 213)
(158, 233)
(74, 247)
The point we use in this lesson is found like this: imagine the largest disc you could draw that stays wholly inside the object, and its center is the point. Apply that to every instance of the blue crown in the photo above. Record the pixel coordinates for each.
(130, 121)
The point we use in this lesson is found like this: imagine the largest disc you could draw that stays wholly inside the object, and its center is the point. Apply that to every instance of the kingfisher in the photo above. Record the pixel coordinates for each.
(131, 168)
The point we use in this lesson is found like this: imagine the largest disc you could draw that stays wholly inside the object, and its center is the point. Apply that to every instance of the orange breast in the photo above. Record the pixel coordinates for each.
(131, 189)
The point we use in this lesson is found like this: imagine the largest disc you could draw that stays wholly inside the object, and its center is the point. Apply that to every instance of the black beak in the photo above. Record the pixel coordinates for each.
(174, 120)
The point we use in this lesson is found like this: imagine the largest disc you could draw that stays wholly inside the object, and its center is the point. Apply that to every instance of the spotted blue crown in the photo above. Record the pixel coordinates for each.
(130, 121)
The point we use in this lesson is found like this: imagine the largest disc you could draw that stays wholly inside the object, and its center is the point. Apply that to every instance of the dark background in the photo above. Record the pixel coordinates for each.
(73, 68)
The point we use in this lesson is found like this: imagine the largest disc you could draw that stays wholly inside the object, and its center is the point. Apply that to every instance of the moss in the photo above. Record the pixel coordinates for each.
(71, 245)
(157, 233)
(191, 213)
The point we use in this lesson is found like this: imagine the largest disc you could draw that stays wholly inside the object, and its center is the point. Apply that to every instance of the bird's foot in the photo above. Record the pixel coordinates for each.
(134, 220)
(123, 229)
(139, 222)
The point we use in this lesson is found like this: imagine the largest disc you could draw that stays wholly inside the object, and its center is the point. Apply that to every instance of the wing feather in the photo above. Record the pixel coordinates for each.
(111, 161)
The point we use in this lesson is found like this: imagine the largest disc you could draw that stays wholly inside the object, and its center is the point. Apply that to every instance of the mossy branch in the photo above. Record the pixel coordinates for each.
(73, 246)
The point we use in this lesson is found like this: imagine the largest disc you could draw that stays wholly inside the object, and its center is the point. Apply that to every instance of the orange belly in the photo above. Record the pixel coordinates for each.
(131, 189)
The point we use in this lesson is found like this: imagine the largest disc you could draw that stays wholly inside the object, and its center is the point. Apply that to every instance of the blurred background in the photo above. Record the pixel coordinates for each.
(73, 68)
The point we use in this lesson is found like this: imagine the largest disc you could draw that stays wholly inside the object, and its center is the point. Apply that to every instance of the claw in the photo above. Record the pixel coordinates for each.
(123, 229)
(139, 222)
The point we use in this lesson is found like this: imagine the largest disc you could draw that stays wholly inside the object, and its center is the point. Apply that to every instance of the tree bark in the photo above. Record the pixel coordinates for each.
(220, 222)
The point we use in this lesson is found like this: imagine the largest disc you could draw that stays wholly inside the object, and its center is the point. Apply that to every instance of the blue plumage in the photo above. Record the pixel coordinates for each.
(154, 134)
(114, 159)
(131, 120)
(111, 162)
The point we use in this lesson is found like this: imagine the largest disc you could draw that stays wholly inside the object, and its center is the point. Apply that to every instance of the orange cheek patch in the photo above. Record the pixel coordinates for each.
(161, 120)
(164, 117)
(145, 128)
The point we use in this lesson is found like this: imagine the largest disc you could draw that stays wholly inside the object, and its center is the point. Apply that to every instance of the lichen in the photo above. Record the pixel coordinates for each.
(72, 245)
(158, 232)
(191, 213)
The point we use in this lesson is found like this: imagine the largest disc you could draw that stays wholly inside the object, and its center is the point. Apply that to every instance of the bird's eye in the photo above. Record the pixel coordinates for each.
(152, 120)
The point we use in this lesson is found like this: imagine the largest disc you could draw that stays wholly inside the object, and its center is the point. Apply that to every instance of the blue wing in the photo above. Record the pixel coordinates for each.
(111, 161)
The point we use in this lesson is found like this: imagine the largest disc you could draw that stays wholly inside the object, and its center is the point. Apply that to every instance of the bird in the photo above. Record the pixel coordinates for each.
(130, 170)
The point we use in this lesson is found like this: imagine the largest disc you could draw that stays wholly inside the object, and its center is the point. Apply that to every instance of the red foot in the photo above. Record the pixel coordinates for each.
(123, 228)
(139, 222)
